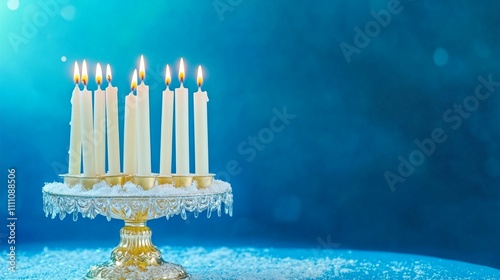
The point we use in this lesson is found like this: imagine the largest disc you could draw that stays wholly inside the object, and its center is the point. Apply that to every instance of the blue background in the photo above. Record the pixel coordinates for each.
(318, 183)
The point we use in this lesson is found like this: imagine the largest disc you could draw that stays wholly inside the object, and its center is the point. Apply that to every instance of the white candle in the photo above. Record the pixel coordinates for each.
(75, 140)
(99, 124)
(112, 126)
(87, 129)
(200, 128)
(167, 118)
(143, 136)
(181, 126)
(130, 135)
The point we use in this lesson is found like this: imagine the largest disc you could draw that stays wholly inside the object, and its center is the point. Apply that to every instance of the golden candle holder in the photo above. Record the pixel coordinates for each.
(180, 181)
(136, 257)
(164, 179)
(203, 181)
(87, 182)
(144, 181)
(115, 180)
(70, 180)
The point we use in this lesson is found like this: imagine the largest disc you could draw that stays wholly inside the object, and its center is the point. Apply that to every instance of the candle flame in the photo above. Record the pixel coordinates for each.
(76, 73)
(142, 72)
(108, 73)
(200, 76)
(85, 77)
(98, 74)
(181, 71)
(133, 85)
(168, 78)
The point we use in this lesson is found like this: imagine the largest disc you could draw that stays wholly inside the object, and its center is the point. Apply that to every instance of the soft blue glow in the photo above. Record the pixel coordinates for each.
(303, 134)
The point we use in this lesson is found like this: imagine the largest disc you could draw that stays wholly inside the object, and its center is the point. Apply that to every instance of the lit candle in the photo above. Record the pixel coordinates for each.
(200, 128)
(143, 136)
(99, 124)
(112, 126)
(181, 126)
(75, 140)
(87, 129)
(167, 118)
(130, 135)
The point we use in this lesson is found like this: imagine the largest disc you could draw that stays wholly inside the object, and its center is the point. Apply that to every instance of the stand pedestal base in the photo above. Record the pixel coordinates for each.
(137, 258)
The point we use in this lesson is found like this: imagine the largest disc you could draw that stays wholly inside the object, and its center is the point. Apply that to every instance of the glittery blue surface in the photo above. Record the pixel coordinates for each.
(363, 125)
(254, 263)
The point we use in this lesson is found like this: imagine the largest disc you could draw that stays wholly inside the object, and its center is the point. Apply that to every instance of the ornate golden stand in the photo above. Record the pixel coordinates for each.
(136, 257)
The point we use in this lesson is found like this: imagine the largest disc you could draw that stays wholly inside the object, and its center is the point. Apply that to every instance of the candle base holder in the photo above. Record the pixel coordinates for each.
(136, 257)
(203, 180)
(145, 181)
(87, 182)
(116, 180)
(164, 179)
(182, 180)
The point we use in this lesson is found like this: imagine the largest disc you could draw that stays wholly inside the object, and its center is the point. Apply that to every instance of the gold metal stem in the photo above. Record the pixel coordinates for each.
(136, 257)
(135, 248)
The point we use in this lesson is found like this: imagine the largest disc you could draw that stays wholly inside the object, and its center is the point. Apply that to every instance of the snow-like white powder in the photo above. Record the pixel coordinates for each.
(130, 189)
(254, 263)
(200, 263)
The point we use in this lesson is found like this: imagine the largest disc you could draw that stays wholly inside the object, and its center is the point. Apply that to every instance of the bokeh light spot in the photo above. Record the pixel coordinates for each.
(440, 57)
(63, 58)
(13, 4)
